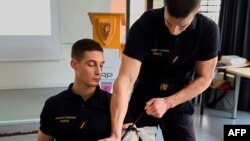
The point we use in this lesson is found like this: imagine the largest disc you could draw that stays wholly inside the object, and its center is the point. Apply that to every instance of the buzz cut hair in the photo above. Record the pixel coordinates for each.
(180, 8)
(83, 45)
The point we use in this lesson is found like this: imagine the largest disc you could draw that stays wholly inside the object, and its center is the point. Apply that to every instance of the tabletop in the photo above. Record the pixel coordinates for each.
(245, 71)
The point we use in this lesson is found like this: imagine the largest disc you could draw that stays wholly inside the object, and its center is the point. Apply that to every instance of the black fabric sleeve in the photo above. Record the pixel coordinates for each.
(47, 124)
(209, 43)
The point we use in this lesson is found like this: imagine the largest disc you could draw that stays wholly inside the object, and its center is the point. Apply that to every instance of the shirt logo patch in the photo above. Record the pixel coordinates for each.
(64, 119)
(159, 52)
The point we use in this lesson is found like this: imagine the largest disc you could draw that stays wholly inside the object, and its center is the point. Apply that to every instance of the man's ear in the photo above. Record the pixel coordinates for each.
(73, 63)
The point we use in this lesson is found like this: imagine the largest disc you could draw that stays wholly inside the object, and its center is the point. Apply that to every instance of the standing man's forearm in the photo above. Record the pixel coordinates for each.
(205, 72)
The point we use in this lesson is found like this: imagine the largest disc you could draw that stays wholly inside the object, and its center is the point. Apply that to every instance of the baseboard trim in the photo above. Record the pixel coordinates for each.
(18, 133)
(19, 127)
(11, 122)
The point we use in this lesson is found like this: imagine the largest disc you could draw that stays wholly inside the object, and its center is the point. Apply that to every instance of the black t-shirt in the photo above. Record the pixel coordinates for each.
(68, 118)
(168, 57)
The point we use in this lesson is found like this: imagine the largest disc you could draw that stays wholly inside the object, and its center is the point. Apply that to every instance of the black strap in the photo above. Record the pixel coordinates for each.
(131, 127)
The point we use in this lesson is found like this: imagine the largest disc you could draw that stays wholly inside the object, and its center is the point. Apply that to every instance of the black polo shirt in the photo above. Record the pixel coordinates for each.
(168, 57)
(68, 118)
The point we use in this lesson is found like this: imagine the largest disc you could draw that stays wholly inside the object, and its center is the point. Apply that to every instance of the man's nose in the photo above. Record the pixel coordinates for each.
(175, 30)
(98, 70)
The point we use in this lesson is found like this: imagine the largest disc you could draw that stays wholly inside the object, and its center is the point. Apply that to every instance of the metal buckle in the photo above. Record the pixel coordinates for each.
(164, 87)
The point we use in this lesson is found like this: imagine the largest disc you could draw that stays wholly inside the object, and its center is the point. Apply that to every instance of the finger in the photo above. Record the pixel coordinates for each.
(149, 103)
(150, 107)
(155, 108)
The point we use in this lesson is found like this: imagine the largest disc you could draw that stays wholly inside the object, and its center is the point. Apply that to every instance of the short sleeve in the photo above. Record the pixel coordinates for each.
(47, 124)
(209, 42)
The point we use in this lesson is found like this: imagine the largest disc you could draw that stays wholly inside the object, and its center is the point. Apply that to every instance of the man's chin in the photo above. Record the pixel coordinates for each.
(94, 84)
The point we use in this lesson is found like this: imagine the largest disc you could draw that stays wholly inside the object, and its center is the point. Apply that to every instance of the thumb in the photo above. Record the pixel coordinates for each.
(150, 102)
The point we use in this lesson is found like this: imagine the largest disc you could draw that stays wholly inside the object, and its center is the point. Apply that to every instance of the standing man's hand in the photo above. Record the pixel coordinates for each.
(157, 107)
(111, 138)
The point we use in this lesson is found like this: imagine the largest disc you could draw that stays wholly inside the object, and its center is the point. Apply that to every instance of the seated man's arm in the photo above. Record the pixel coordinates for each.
(43, 137)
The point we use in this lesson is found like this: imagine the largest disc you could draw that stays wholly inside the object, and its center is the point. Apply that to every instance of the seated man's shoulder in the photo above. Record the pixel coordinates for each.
(58, 97)
(106, 94)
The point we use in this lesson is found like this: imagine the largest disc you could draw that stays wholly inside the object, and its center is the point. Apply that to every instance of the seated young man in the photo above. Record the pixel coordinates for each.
(81, 112)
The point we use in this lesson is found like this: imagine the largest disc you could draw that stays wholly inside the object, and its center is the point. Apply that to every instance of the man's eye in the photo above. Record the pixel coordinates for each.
(91, 64)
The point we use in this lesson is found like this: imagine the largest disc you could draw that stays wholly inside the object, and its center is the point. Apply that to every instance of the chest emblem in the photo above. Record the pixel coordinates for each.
(65, 119)
(159, 52)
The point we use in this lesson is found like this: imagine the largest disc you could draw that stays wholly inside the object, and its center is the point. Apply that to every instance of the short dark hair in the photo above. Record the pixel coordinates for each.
(180, 8)
(83, 45)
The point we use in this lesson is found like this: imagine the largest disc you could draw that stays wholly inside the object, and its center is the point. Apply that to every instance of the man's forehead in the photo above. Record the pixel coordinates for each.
(93, 56)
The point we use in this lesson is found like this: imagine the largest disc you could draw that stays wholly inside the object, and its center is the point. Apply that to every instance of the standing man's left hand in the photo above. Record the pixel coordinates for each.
(157, 107)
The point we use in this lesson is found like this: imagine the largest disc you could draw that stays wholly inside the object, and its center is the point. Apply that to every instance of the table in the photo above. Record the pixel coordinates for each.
(238, 72)
(224, 68)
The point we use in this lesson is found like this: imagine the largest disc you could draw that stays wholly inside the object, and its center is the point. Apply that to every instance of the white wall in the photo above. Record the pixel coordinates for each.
(15, 75)
(137, 7)
(35, 74)
(75, 24)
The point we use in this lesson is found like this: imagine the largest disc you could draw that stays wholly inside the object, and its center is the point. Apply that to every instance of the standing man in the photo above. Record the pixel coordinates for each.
(80, 113)
(169, 58)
